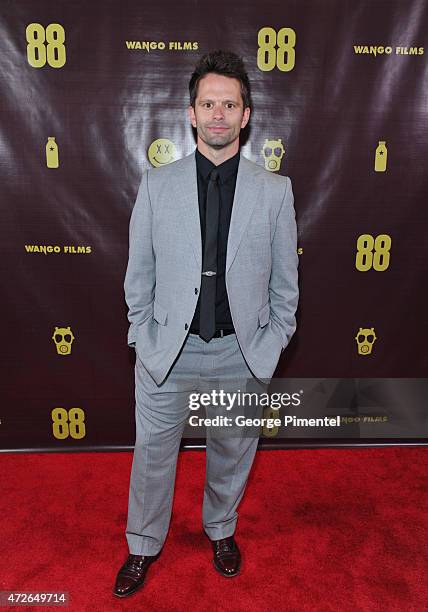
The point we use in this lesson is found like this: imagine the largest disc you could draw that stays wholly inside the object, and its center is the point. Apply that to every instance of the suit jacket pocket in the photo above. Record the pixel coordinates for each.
(264, 313)
(159, 313)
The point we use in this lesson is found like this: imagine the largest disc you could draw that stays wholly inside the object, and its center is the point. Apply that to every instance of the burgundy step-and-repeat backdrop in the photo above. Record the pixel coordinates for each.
(92, 93)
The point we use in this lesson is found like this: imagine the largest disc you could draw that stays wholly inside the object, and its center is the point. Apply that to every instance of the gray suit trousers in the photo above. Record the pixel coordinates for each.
(161, 413)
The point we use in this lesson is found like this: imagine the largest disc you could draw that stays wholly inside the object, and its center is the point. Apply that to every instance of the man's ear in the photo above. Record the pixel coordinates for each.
(192, 116)
(245, 117)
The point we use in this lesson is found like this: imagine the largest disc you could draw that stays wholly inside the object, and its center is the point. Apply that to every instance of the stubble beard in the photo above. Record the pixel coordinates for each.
(216, 141)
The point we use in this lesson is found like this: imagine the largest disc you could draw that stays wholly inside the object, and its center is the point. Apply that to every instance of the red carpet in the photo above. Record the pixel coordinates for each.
(319, 530)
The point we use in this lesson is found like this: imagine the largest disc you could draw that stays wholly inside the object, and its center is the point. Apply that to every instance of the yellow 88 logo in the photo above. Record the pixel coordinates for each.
(37, 49)
(373, 252)
(276, 50)
(68, 423)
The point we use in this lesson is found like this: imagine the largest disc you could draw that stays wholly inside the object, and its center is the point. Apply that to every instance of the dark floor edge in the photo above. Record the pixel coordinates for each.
(263, 445)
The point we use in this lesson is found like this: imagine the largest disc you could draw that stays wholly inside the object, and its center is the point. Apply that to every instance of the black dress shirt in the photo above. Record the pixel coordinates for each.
(227, 180)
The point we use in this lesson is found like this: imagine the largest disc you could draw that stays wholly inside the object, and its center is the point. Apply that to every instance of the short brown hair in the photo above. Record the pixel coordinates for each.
(226, 63)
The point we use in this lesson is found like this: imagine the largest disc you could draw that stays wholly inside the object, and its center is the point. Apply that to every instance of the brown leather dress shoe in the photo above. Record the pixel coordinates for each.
(227, 558)
(131, 575)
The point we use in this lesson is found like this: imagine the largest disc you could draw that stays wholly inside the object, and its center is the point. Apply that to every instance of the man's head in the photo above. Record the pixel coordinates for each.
(220, 103)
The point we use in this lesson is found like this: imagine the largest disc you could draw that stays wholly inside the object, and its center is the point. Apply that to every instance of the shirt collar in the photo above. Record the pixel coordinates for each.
(226, 169)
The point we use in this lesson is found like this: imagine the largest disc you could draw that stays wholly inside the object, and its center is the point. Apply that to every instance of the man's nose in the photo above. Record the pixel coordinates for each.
(218, 111)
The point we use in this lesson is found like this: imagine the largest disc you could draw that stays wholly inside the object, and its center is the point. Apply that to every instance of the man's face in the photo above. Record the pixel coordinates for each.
(219, 113)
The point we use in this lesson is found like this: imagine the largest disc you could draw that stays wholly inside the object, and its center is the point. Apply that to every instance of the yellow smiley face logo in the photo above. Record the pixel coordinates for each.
(161, 152)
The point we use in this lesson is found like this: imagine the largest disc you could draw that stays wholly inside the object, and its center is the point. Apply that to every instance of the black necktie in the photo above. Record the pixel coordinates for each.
(209, 264)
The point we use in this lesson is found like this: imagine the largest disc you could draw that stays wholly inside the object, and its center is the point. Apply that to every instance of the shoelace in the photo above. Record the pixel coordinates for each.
(134, 566)
(225, 546)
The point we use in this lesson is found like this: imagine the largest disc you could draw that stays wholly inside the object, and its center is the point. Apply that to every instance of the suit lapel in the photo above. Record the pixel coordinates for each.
(244, 201)
(187, 200)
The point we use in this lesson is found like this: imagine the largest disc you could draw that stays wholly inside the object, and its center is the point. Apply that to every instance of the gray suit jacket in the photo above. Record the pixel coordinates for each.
(163, 276)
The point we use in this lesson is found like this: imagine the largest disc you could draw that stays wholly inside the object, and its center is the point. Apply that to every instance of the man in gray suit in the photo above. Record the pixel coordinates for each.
(212, 290)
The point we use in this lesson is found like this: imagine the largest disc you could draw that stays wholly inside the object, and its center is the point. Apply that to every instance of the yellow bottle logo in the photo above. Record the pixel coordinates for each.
(270, 413)
(52, 159)
(381, 156)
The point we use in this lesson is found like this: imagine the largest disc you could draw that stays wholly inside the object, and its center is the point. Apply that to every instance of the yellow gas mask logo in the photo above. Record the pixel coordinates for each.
(273, 151)
(63, 338)
(161, 152)
(365, 340)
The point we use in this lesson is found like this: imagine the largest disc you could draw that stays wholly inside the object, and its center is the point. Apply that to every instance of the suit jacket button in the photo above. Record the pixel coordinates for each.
(196, 290)
(185, 326)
